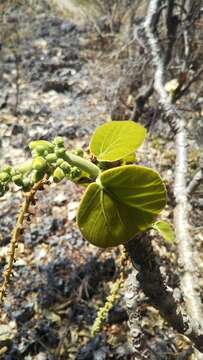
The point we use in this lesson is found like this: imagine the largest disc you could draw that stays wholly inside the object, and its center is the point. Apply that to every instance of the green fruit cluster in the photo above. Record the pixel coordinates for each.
(48, 158)
(5, 178)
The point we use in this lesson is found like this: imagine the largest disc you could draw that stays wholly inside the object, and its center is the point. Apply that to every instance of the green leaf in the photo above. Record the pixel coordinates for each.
(165, 230)
(115, 140)
(123, 202)
(131, 158)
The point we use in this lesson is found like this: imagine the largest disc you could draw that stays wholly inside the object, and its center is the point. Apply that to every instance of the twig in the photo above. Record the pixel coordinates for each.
(16, 234)
(195, 182)
(17, 79)
(188, 84)
(142, 97)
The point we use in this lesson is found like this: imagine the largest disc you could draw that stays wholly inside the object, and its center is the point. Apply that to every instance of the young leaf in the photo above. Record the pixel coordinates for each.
(115, 140)
(124, 201)
(165, 230)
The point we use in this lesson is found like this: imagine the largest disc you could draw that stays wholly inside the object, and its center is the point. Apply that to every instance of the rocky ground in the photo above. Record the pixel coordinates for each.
(58, 78)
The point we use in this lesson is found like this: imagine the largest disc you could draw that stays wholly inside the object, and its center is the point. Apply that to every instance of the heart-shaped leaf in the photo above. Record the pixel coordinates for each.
(115, 140)
(165, 230)
(129, 159)
(124, 201)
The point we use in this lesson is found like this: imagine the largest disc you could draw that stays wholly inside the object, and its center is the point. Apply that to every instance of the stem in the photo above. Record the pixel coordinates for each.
(159, 295)
(16, 234)
(83, 164)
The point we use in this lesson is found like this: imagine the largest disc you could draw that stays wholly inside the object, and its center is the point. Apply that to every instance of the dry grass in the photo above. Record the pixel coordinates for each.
(83, 10)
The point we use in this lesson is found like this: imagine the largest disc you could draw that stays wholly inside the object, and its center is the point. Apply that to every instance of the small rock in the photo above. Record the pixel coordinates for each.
(40, 44)
(87, 351)
(7, 333)
(41, 356)
(57, 85)
(101, 354)
(67, 26)
(20, 262)
(72, 210)
(23, 315)
(17, 129)
(60, 199)
(117, 315)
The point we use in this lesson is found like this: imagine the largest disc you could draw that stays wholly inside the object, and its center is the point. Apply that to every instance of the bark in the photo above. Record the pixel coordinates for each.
(159, 295)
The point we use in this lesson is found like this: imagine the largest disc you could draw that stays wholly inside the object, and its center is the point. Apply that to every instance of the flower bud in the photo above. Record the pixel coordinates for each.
(58, 141)
(39, 163)
(18, 180)
(60, 152)
(43, 143)
(59, 162)
(4, 177)
(51, 158)
(65, 166)
(7, 169)
(24, 168)
(75, 173)
(40, 149)
(26, 184)
(13, 172)
(58, 175)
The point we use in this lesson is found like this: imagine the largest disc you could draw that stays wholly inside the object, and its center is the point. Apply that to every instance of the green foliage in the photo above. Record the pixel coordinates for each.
(131, 158)
(116, 140)
(165, 229)
(50, 159)
(119, 202)
(123, 202)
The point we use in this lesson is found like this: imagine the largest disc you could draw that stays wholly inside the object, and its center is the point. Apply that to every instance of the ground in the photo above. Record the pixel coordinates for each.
(60, 80)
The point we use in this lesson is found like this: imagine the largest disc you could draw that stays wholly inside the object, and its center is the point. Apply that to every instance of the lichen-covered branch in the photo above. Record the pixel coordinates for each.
(189, 281)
